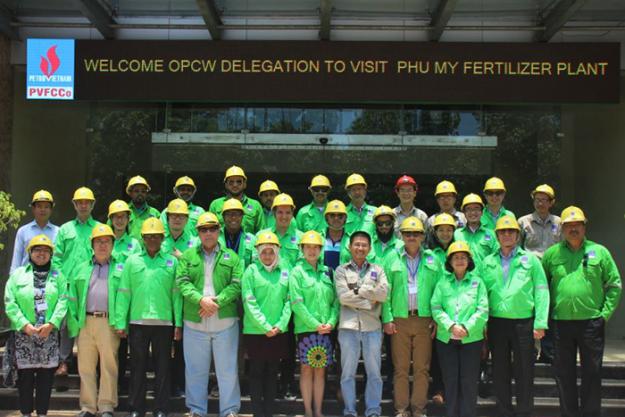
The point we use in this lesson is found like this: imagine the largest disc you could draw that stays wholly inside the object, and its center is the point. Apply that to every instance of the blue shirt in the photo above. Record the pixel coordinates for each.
(505, 263)
(24, 235)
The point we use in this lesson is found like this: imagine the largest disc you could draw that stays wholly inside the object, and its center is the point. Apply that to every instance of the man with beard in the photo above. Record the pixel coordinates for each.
(585, 287)
(267, 191)
(138, 189)
(185, 190)
(383, 239)
(311, 217)
(235, 183)
(232, 235)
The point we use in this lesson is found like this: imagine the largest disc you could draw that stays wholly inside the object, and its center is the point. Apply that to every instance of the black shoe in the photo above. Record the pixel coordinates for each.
(107, 414)
(86, 414)
(160, 414)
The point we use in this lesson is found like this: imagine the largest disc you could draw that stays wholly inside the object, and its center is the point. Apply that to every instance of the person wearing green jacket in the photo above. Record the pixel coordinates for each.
(232, 235)
(446, 196)
(71, 248)
(185, 190)
(35, 303)
(149, 309)
(267, 191)
(383, 238)
(92, 295)
(316, 312)
(585, 289)
(267, 311)
(412, 274)
(482, 241)
(460, 308)
(235, 183)
(518, 299)
(209, 278)
(359, 213)
(336, 248)
(495, 193)
(178, 238)
(138, 189)
(311, 216)
(443, 227)
(124, 245)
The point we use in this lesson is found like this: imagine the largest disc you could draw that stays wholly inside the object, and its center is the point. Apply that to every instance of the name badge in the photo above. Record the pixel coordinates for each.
(249, 207)
(474, 284)
(412, 289)
(41, 307)
(294, 239)
(129, 247)
(430, 260)
(486, 237)
(226, 256)
(169, 263)
(592, 254)
(374, 275)
(190, 244)
(120, 267)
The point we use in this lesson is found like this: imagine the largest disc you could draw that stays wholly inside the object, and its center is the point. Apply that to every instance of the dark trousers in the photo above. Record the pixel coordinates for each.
(287, 366)
(177, 363)
(508, 339)
(387, 367)
(39, 380)
(122, 362)
(435, 372)
(460, 366)
(140, 339)
(263, 386)
(589, 337)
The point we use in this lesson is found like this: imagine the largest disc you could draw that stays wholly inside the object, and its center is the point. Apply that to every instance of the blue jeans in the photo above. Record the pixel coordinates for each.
(350, 341)
(198, 350)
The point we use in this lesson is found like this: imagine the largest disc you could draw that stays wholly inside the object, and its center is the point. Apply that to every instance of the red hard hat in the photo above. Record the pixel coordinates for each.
(405, 179)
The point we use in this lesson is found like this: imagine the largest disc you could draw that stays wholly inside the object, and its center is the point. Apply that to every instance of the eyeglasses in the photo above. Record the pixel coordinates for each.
(211, 229)
(384, 224)
(542, 200)
(41, 250)
(234, 182)
(319, 190)
(494, 193)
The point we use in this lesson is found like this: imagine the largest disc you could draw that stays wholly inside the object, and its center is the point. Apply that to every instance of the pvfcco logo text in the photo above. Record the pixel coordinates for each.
(50, 69)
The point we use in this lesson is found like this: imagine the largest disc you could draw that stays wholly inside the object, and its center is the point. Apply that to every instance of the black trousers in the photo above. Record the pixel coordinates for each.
(37, 380)
(589, 337)
(460, 366)
(511, 343)
(122, 362)
(140, 338)
(387, 366)
(177, 363)
(287, 366)
(263, 386)
(435, 372)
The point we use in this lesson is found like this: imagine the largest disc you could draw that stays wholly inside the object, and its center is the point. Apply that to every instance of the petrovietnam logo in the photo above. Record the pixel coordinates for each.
(50, 69)
(51, 63)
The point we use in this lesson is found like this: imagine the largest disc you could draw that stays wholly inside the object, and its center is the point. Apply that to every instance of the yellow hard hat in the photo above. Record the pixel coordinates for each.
(118, 206)
(311, 237)
(507, 222)
(283, 200)
(573, 214)
(267, 238)
(458, 246)
(83, 193)
(232, 204)
(335, 207)
(101, 230)
(445, 187)
(320, 181)
(178, 206)
(444, 219)
(152, 226)
(494, 184)
(545, 189)
(42, 195)
(234, 171)
(411, 224)
(136, 180)
(40, 240)
(383, 211)
(207, 219)
(184, 181)
(471, 199)
(355, 179)
(268, 185)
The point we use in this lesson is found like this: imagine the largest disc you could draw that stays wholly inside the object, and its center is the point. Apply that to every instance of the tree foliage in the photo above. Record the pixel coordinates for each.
(9, 215)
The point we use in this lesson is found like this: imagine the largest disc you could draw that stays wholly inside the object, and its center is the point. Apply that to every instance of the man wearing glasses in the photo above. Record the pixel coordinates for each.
(138, 189)
(235, 183)
(495, 192)
(383, 239)
(311, 217)
(446, 195)
(209, 278)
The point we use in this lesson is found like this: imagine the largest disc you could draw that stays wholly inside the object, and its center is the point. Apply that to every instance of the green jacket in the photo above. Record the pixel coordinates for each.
(584, 284)
(313, 297)
(73, 246)
(227, 275)
(19, 297)
(137, 217)
(289, 244)
(265, 298)
(78, 291)
(440, 255)
(489, 221)
(523, 294)
(253, 218)
(124, 247)
(380, 251)
(310, 217)
(359, 220)
(246, 245)
(396, 270)
(462, 302)
(185, 241)
(194, 213)
(482, 242)
(147, 291)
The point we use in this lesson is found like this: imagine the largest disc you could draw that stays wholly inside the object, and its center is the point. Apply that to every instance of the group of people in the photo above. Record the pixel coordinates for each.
(333, 283)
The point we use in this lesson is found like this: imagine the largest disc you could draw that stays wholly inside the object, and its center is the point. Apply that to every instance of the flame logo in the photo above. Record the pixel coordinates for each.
(49, 66)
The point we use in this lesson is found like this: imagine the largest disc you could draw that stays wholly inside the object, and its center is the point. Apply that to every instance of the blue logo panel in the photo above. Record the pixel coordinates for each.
(50, 69)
